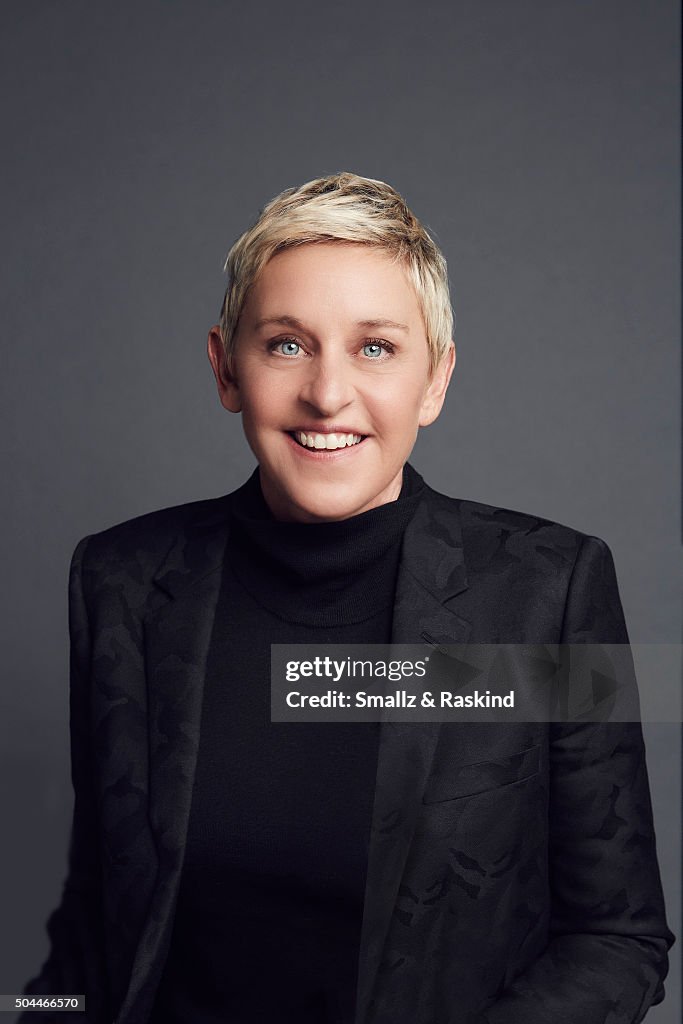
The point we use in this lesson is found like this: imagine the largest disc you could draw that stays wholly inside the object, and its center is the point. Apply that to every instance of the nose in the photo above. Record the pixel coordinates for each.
(327, 388)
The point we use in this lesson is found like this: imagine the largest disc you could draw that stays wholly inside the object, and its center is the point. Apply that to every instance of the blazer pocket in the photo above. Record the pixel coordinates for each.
(470, 779)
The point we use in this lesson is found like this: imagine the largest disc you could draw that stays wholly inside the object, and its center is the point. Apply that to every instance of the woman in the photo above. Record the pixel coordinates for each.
(225, 868)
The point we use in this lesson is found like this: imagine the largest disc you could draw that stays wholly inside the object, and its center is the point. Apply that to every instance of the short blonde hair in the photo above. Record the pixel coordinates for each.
(342, 207)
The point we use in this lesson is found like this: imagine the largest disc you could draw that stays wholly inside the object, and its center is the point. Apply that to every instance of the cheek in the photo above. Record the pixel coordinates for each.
(396, 405)
(260, 406)
(261, 391)
(257, 426)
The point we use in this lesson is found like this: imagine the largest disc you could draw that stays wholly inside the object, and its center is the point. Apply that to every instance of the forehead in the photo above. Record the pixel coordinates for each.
(360, 281)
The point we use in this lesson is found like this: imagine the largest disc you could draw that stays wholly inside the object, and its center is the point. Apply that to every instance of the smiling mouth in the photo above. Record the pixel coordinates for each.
(326, 442)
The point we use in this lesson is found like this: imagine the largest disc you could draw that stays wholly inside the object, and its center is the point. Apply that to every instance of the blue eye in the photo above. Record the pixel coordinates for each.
(373, 349)
(289, 348)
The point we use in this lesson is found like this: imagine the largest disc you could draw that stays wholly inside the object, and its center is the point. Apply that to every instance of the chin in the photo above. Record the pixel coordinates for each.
(313, 504)
(326, 509)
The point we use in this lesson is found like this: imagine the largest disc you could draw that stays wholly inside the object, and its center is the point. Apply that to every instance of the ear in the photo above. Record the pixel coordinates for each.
(435, 392)
(228, 389)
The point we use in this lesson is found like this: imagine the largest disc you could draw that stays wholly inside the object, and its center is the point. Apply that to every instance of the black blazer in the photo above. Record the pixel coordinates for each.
(512, 874)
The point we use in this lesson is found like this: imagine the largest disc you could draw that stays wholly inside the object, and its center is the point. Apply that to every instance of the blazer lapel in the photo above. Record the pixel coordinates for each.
(177, 634)
(431, 574)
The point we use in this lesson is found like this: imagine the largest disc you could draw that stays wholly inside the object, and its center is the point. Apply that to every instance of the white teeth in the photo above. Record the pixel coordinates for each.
(327, 441)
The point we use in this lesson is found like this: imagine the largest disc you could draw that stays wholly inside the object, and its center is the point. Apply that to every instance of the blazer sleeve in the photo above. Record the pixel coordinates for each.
(76, 964)
(607, 956)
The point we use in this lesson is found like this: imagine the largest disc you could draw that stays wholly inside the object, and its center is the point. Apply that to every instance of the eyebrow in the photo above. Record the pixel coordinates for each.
(291, 321)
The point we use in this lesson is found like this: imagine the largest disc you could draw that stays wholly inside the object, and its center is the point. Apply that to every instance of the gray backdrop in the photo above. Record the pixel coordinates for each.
(538, 139)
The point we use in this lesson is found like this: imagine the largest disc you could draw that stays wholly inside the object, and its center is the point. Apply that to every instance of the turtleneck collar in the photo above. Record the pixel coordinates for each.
(320, 573)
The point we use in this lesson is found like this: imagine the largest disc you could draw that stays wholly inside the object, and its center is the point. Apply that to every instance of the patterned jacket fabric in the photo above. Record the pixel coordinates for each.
(512, 873)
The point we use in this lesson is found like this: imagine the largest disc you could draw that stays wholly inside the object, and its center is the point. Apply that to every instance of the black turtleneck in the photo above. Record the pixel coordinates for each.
(270, 905)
